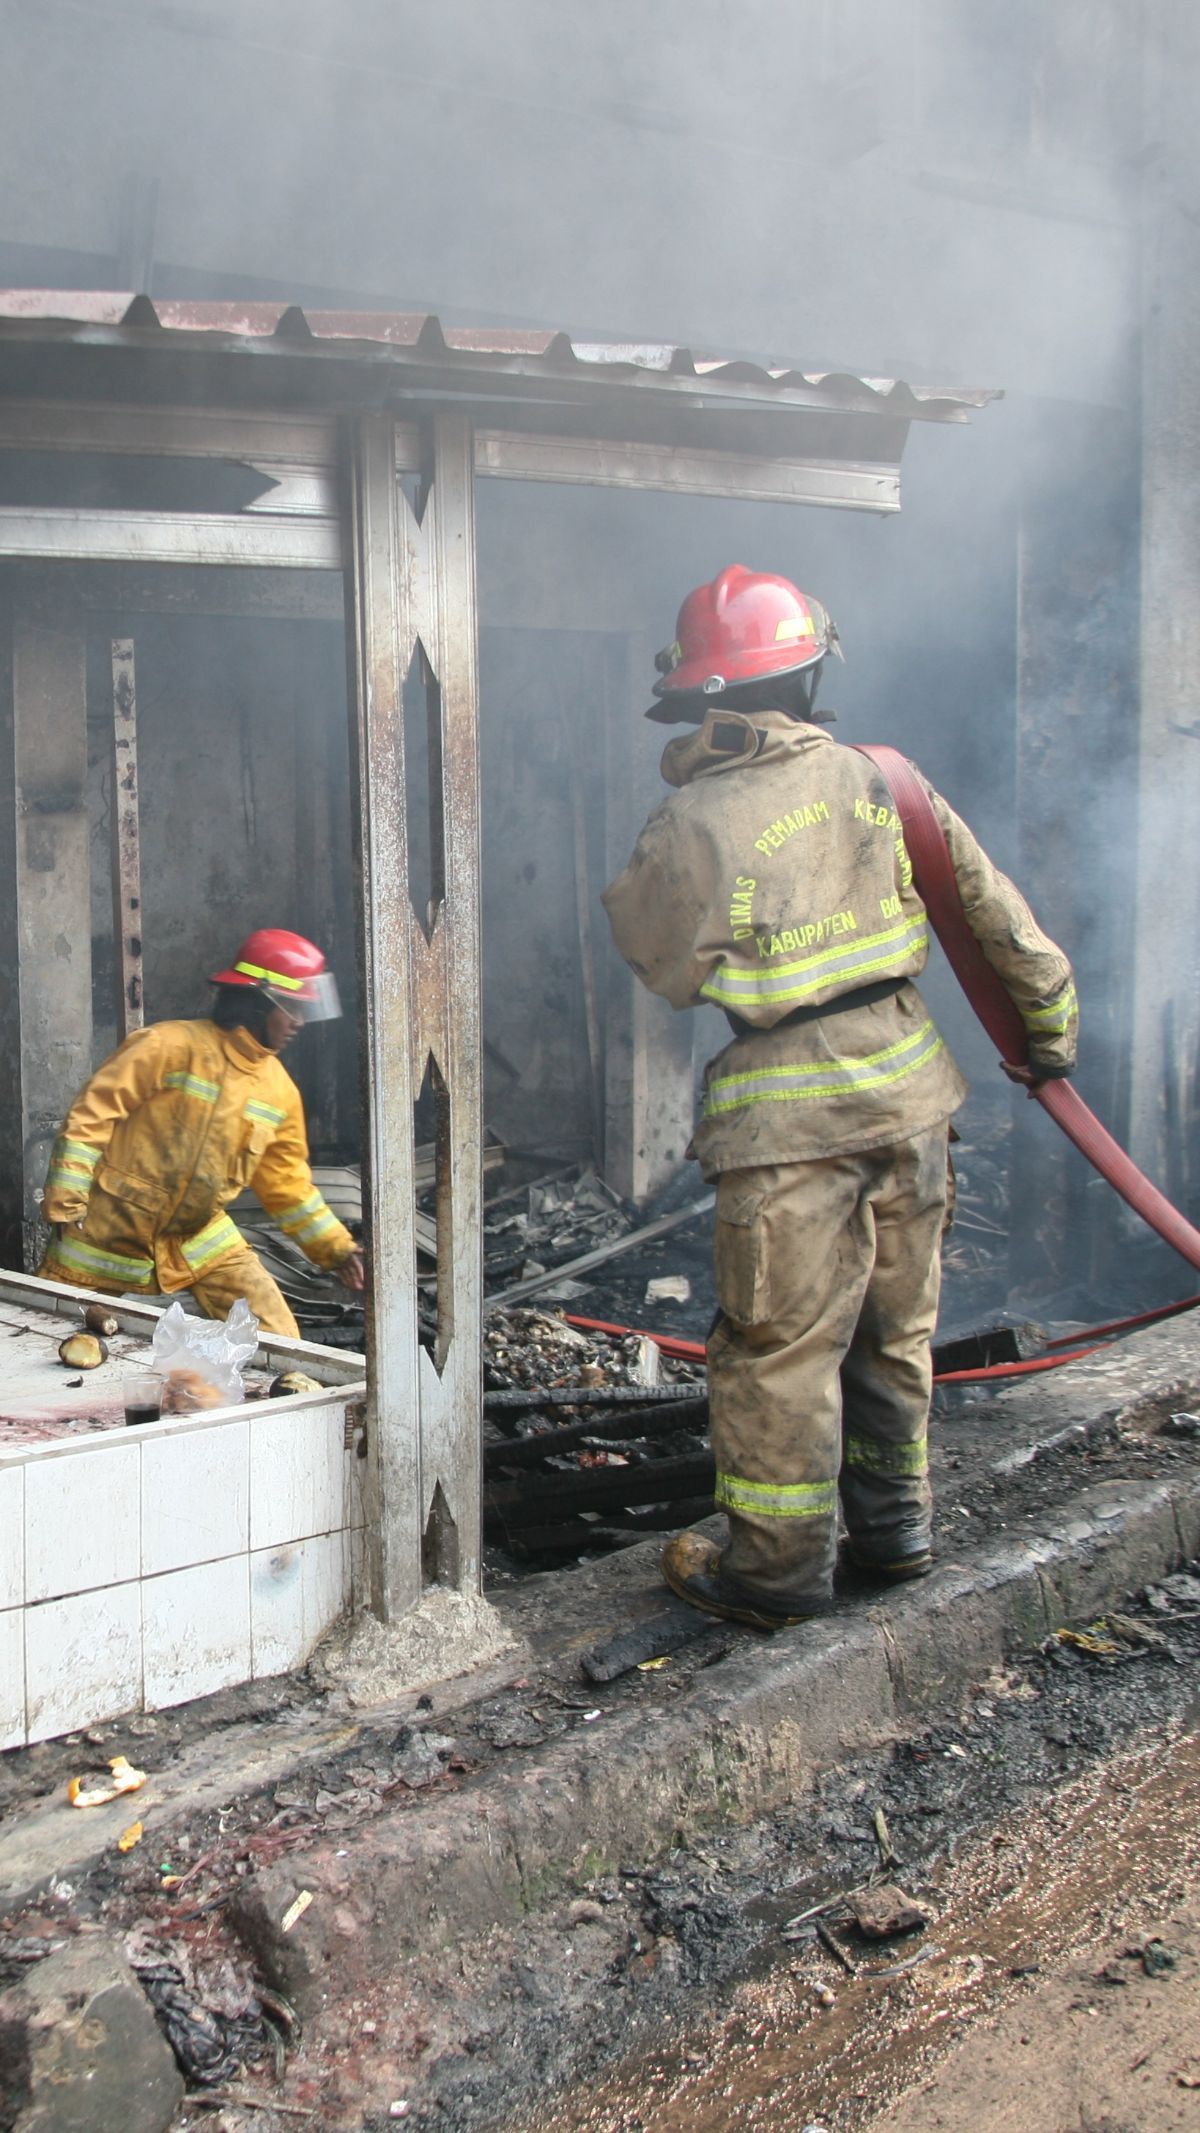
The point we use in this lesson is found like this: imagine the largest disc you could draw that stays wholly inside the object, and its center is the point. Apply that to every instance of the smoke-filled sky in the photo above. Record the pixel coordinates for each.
(951, 191)
(853, 182)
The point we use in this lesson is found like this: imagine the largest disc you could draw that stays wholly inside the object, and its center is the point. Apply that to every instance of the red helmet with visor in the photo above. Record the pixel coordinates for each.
(289, 970)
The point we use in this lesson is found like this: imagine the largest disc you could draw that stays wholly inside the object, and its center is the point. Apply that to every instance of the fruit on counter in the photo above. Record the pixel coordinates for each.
(82, 1351)
(293, 1381)
(99, 1319)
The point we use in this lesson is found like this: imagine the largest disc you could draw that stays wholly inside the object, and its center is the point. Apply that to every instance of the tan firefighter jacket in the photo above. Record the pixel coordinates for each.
(776, 878)
(166, 1133)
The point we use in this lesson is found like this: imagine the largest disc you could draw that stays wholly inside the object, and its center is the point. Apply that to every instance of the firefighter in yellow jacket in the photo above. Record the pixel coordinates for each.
(774, 882)
(173, 1127)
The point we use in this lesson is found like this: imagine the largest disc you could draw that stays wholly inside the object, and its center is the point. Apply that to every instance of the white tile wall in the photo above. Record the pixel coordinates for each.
(296, 1592)
(142, 1574)
(297, 1474)
(82, 1519)
(12, 1678)
(12, 1536)
(83, 1659)
(195, 1497)
(196, 1631)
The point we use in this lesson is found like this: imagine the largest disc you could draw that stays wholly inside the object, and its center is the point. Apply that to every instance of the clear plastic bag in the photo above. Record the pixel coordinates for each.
(201, 1359)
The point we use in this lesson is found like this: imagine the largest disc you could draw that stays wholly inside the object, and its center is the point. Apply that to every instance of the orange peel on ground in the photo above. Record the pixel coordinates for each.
(124, 1779)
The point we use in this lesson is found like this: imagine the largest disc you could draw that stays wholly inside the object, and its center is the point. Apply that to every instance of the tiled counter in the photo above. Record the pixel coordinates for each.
(140, 1568)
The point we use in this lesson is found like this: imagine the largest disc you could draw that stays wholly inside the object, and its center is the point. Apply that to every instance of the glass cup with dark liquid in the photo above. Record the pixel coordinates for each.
(143, 1397)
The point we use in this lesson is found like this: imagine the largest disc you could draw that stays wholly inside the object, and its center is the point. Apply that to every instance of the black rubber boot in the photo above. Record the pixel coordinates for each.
(691, 1565)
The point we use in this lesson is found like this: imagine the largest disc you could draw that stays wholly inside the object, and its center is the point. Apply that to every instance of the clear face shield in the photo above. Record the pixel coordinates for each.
(316, 1000)
(312, 999)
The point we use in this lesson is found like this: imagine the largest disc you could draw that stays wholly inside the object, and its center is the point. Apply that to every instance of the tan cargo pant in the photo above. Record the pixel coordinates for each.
(819, 1369)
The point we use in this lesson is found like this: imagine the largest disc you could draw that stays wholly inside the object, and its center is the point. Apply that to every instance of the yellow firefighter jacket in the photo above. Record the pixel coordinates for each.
(776, 878)
(166, 1133)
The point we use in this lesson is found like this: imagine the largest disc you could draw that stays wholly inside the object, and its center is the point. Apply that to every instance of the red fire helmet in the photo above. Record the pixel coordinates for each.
(289, 969)
(744, 626)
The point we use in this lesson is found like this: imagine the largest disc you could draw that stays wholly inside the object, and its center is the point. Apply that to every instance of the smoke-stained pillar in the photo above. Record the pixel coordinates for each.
(46, 951)
(648, 1045)
(413, 600)
(1165, 1054)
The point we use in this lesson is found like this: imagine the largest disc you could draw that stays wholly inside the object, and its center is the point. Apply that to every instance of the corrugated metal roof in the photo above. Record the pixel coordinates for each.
(418, 341)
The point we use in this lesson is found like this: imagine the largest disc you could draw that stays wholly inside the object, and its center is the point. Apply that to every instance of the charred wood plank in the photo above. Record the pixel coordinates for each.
(612, 1429)
(511, 1505)
(535, 1396)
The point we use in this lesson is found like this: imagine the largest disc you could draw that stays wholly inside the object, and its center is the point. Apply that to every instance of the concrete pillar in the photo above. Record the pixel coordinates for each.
(46, 952)
(1165, 1052)
(648, 1056)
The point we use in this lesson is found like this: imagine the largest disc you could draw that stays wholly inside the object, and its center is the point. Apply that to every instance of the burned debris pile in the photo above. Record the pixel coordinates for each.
(591, 1440)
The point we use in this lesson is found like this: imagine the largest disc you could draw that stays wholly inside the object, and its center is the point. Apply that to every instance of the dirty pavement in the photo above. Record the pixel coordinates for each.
(503, 1888)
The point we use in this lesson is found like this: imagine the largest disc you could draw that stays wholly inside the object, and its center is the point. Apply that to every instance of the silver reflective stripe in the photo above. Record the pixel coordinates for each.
(825, 1077)
(791, 981)
(764, 1499)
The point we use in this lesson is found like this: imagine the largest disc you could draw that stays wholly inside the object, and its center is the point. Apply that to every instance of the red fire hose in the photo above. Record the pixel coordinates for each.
(933, 872)
(935, 878)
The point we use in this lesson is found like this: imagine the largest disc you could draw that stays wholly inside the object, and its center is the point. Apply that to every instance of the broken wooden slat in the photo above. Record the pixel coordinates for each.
(533, 1499)
(603, 1252)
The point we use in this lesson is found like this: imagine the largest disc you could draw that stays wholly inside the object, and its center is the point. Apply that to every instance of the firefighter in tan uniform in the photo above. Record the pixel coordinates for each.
(172, 1128)
(774, 882)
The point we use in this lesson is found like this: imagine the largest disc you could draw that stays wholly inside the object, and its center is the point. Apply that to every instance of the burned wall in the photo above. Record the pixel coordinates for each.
(244, 788)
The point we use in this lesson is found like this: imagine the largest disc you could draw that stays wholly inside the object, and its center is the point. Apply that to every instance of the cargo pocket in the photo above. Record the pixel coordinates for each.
(740, 1258)
(250, 1155)
(128, 1191)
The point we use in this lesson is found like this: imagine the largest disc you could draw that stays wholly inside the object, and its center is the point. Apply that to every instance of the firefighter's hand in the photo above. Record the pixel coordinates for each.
(352, 1272)
(1028, 1076)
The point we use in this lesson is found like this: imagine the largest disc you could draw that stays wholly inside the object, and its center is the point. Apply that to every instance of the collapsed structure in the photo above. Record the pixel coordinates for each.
(164, 464)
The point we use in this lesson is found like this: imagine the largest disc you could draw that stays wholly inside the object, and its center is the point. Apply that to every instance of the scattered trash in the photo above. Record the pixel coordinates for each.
(1157, 1958)
(131, 1836)
(883, 1838)
(882, 1913)
(669, 1288)
(124, 1779)
(399, 2109)
(823, 1996)
(1181, 1586)
(955, 1748)
(1182, 1425)
(295, 1911)
(651, 1666)
(913, 1962)
(1081, 1640)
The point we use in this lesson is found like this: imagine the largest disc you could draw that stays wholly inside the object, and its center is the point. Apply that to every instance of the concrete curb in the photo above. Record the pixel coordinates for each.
(739, 1745)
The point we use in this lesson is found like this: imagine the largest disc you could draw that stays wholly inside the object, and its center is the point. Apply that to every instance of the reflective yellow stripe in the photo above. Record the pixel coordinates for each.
(877, 1458)
(841, 1077)
(1053, 1019)
(219, 1235)
(270, 977)
(320, 1226)
(796, 1499)
(731, 987)
(66, 1151)
(192, 1085)
(291, 1218)
(70, 1180)
(114, 1266)
(267, 1112)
